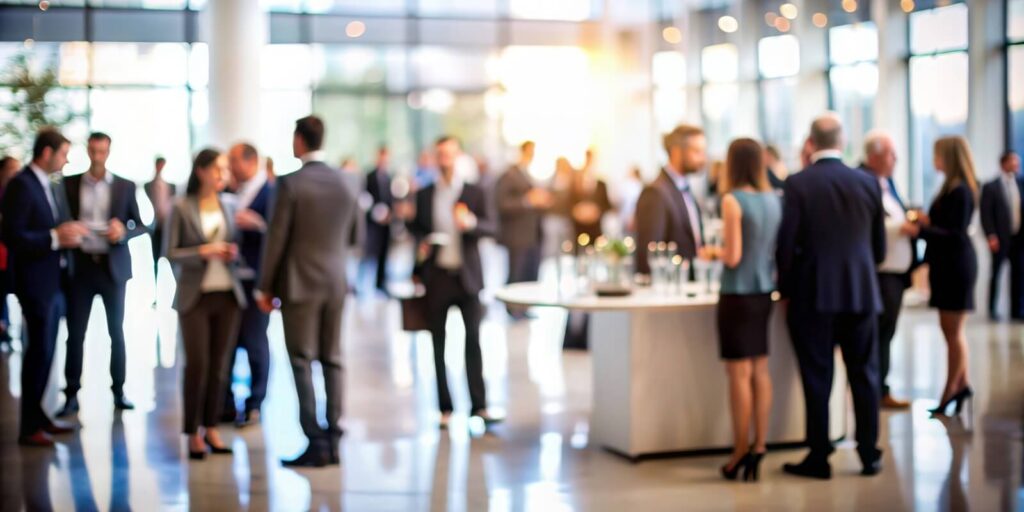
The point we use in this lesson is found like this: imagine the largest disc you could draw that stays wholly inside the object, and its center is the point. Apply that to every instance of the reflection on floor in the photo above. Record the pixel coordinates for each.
(394, 457)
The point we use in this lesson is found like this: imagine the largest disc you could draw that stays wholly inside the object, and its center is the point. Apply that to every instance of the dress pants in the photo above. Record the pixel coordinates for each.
(815, 336)
(92, 277)
(209, 331)
(156, 238)
(252, 336)
(523, 267)
(42, 319)
(892, 287)
(312, 332)
(444, 290)
(1015, 255)
(378, 242)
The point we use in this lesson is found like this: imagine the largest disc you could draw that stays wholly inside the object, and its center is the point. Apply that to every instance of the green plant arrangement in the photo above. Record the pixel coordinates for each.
(31, 107)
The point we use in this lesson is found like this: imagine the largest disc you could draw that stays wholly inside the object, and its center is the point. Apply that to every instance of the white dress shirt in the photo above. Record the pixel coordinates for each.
(248, 191)
(314, 156)
(691, 205)
(826, 153)
(44, 180)
(1010, 188)
(217, 277)
(898, 250)
(94, 210)
(449, 255)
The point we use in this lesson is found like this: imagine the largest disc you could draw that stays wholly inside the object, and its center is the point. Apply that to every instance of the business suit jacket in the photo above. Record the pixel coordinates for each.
(661, 216)
(124, 208)
(831, 239)
(250, 244)
(27, 221)
(519, 223)
(995, 212)
(378, 186)
(311, 228)
(471, 273)
(184, 236)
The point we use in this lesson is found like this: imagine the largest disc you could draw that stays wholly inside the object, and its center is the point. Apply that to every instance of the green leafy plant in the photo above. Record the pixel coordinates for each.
(32, 105)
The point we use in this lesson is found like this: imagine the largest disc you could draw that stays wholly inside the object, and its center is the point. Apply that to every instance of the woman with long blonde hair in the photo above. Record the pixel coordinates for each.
(953, 264)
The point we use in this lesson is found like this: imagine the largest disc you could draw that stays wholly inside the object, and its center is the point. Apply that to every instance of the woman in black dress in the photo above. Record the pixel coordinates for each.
(953, 264)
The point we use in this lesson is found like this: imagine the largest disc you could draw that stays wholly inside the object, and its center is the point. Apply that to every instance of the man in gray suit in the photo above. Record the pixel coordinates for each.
(521, 208)
(304, 264)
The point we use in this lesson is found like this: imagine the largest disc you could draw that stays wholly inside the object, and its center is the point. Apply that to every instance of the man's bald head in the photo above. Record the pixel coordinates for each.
(880, 154)
(827, 133)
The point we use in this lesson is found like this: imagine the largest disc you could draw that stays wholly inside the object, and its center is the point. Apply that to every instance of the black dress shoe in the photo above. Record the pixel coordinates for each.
(314, 457)
(819, 470)
(220, 450)
(123, 404)
(872, 468)
(70, 407)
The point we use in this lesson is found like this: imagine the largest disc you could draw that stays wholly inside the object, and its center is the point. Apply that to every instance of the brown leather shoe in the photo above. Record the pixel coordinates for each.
(39, 438)
(888, 402)
(56, 428)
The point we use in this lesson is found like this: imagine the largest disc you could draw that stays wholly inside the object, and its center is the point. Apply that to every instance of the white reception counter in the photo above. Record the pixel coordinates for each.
(659, 385)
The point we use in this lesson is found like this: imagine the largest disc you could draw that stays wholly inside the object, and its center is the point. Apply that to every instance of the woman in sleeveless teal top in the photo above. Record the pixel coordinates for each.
(751, 213)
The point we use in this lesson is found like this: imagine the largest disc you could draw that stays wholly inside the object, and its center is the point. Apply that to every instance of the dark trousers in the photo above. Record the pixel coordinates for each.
(209, 331)
(377, 247)
(892, 287)
(92, 278)
(252, 336)
(523, 267)
(312, 332)
(815, 336)
(156, 238)
(42, 319)
(1015, 254)
(444, 290)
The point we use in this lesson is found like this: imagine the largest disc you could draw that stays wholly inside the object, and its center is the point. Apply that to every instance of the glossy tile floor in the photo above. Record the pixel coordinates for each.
(394, 457)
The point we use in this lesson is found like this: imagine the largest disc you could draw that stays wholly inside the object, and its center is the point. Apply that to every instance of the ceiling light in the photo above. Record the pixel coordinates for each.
(728, 24)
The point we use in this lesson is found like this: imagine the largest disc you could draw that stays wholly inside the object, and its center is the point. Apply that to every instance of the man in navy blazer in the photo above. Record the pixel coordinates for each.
(1001, 212)
(255, 197)
(105, 204)
(830, 242)
(38, 230)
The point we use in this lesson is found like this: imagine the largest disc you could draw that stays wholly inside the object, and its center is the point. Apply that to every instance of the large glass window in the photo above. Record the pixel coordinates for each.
(853, 80)
(938, 89)
(720, 94)
(669, 79)
(1015, 72)
(778, 62)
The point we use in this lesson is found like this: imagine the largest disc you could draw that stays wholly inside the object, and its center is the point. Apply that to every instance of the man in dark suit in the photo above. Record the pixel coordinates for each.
(451, 217)
(38, 230)
(830, 242)
(105, 204)
(521, 208)
(900, 256)
(667, 210)
(1001, 212)
(378, 218)
(255, 196)
(304, 266)
(161, 195)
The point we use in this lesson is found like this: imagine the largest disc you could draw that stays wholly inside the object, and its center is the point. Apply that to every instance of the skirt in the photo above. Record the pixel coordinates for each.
(743, 325)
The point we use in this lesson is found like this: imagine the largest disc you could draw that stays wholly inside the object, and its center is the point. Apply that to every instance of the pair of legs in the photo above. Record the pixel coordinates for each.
(252, 336)
(91, 279)
(208, 331)
(445, 290)
(750, 400)
(952, 324)
(312, 332)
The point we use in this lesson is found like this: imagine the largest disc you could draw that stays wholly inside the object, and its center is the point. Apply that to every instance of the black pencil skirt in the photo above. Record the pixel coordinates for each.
(743, 325)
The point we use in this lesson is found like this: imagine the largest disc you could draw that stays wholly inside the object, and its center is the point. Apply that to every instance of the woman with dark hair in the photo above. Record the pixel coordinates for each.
(952, 262)
(209, 299)
(751, 213)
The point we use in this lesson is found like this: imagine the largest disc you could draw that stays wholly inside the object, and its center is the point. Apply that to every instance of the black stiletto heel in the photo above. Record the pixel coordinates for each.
(752, 472)
(967, 395)
(216, 449)
(957, 399)
(730, 474)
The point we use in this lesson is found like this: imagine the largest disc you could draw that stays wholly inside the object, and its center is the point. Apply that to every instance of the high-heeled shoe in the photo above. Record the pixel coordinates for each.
(200, 455)
(958, 399)
(216, 449)
(753, 468)
(730, 473)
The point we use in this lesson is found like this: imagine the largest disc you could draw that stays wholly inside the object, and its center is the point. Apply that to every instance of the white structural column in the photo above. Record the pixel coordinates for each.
(236, 31)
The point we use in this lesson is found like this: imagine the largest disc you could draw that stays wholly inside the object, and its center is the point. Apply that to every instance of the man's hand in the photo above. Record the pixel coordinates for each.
(586, 213)
(264, 301)
(993, 243)
(249, 220)
(221, 251)
(910, 230)
(465, 220)
(115, 231)
(70, 234)
(539, 198)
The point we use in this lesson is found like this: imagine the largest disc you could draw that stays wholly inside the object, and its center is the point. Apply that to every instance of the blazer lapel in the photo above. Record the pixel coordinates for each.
(428, 208)
(194, 218)
(675, 197)
(73, 187)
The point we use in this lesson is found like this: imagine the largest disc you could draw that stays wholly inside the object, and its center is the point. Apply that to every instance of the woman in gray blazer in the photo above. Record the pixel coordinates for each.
(201, 246)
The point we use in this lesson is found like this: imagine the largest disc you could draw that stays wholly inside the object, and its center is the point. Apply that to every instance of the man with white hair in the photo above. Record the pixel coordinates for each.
(900, 256)
(831, 239)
